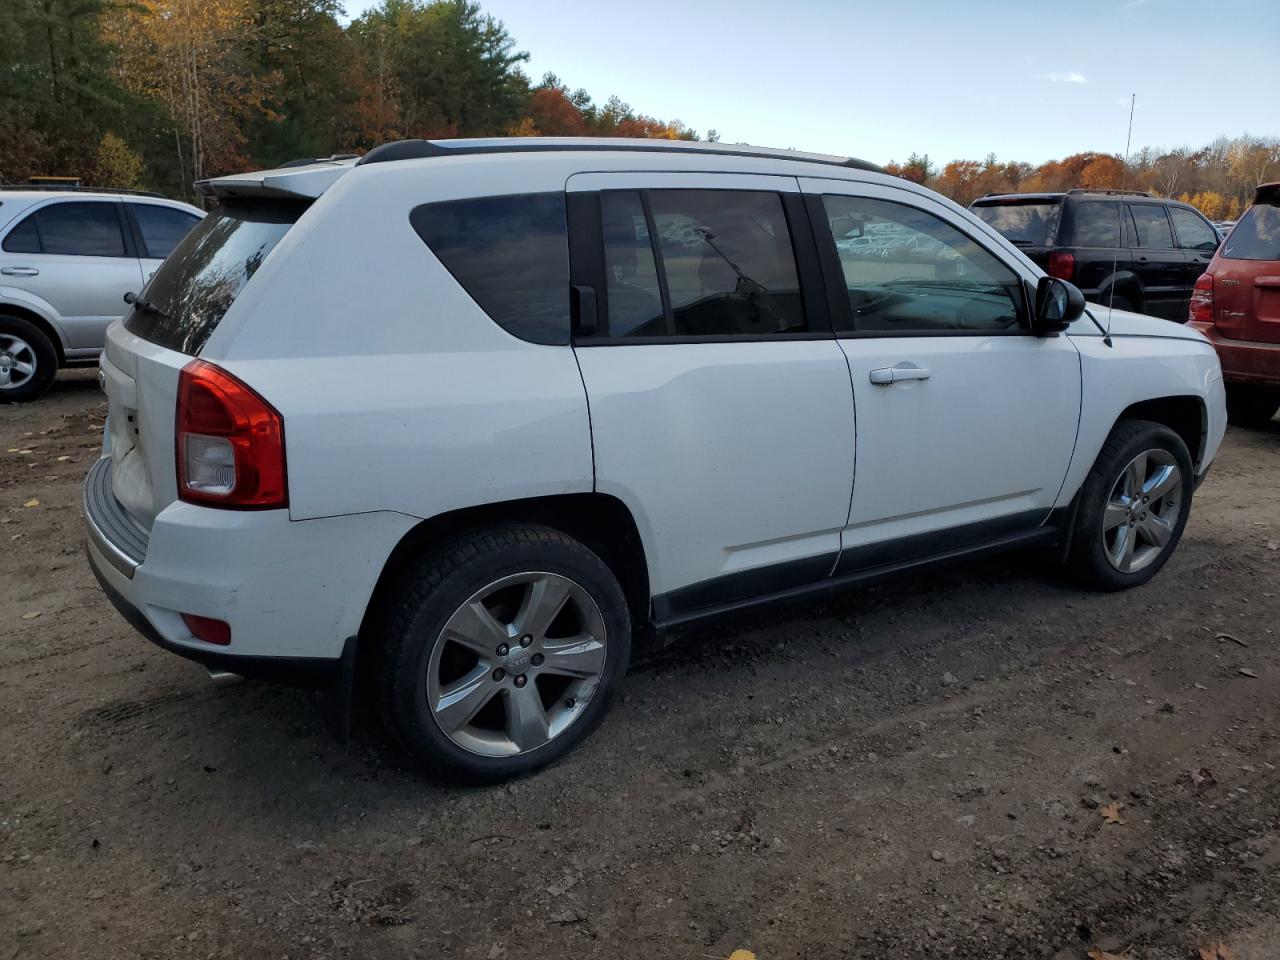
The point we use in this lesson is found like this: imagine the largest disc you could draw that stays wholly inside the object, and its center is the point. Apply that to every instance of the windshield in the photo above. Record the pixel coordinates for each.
(1256, 236)
(1028, 224)
(200, 280)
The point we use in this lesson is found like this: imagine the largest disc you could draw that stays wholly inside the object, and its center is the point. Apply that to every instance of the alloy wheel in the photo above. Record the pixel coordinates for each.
(1142, 511)
(516, 664)
(17, 361)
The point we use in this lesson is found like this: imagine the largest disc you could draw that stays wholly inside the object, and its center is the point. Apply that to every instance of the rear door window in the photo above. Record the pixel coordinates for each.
(1153, 226)
(77, 229)
(1026, 224)
(161, 227)
(511, 254)
(198, 282)
(1098, 223)
(1256, 236)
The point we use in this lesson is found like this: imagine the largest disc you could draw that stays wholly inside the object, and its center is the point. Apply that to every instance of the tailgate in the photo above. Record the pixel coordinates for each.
(141, 382)
(1246, 300)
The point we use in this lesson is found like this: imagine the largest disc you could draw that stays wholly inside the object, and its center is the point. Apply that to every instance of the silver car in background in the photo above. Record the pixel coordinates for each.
(67, 258)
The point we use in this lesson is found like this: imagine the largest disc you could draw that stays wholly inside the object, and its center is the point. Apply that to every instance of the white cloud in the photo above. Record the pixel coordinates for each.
(1071, 77)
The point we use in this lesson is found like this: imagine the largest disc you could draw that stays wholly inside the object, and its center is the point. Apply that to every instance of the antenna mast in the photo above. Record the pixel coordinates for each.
(1124, 176)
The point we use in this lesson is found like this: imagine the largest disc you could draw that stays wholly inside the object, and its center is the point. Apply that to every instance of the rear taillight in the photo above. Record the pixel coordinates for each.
(230, 442)
(1061, 265)
(1202, 299)
(208, 629)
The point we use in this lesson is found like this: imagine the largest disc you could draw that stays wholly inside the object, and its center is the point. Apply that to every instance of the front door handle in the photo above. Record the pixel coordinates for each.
(20, 271)
(886, 375)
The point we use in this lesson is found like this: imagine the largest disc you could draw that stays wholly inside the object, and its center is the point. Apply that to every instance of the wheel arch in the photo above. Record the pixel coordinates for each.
(1127, 284)
(1186, 415)
(41, 322)
(599, 521)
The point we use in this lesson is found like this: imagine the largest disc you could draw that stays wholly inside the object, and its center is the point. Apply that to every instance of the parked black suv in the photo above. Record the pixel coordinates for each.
(1128, 250)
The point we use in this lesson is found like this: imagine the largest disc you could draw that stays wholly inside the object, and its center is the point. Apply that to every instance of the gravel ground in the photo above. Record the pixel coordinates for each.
(925, 769)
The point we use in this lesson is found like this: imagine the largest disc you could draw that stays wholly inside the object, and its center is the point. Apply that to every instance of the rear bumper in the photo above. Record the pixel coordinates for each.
(1244, 361)
(292, 592)
(311, 672)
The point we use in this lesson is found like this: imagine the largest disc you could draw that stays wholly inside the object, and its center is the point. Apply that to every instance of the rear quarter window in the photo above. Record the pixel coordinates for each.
(1097, 223)
(1025, 224)
(1256, 236)
(511, 254)
(205, 273)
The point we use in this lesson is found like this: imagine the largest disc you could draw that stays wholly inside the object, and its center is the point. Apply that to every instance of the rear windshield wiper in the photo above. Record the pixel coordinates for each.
(146, 306)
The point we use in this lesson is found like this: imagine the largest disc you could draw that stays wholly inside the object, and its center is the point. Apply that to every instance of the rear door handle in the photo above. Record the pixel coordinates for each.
(886, 375)
(20, 271)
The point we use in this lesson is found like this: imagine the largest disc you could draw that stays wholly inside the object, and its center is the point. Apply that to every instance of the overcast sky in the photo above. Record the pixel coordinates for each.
(1030, 80)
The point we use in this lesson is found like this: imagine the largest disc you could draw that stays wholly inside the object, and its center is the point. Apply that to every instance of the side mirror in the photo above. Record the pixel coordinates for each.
(1058, 304)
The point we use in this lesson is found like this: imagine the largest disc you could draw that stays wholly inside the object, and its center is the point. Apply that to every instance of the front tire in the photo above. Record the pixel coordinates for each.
(1251, 404)
(1133, 507)
(501, 652)
(28, 360)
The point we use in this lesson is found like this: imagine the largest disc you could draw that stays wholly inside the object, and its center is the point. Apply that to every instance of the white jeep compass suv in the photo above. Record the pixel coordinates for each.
(479, 410)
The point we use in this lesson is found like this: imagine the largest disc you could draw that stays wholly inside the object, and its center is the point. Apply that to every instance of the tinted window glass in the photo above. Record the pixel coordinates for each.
(1096, 224)
(1256, 236)
(80, 229)
(728, 263)
(511, 254)
(24, 238)
(200, 280)
(1026, 224)
(919, 274)
(1153, 225)
(633, 295)
(1194, 231)
(162, 228)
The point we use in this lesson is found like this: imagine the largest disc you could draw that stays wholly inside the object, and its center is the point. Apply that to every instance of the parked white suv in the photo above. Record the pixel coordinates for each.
(67, 258)
(487, 408)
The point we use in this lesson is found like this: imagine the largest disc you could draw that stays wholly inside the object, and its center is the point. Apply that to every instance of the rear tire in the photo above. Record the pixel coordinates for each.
(28, 360)
(501, 652)
(1251, 404)
(1133, 507)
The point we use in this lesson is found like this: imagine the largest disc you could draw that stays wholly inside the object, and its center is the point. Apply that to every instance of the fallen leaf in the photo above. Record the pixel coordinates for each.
(1234, 639)
(1273, 545)
(1111, 813)
(33, 502)
(1097, 953)
(742, 955)
(1215, 951)
(63, 459)
(31, 615)
(1246, 672)
(1201, 776)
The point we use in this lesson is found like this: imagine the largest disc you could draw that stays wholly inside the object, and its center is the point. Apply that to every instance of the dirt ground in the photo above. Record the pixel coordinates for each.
(915, 770)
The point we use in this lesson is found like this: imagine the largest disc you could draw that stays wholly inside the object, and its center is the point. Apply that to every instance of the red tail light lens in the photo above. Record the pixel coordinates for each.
(230, 442)
(208, 629)
(1202, 299)
(1061, 265)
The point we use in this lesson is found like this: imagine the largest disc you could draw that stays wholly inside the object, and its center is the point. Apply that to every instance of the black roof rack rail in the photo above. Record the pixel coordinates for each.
(307, 161)
(1112, 193)
(59, 188)
(421, 149)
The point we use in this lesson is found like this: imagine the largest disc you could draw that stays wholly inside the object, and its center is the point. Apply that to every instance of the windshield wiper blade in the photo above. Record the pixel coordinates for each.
(147, 306)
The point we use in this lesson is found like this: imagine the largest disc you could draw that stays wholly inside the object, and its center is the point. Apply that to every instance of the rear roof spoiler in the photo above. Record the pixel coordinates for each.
(300, 182)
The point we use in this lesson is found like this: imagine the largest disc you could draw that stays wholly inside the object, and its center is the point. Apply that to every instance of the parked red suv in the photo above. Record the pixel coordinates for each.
(1236, 304)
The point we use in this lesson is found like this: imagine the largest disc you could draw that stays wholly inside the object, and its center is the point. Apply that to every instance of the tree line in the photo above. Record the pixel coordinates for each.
(1219, 178)
(159, 93)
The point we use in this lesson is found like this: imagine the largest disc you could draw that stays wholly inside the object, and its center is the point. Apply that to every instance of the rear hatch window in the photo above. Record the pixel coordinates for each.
(1256, 236)
(198, 282)
(1028, 223)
